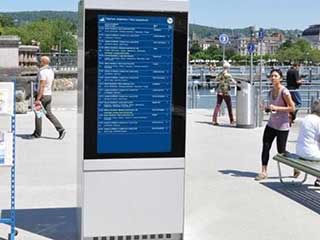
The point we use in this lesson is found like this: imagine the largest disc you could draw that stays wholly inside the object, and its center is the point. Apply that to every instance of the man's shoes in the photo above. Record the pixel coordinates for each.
(33, 136)
(62, 133)
(215, 123)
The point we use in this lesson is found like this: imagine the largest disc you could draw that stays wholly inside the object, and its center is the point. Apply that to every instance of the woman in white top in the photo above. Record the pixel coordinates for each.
(308, 143)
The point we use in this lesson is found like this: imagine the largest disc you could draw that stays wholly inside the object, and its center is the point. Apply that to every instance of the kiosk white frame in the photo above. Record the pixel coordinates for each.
(134, 198)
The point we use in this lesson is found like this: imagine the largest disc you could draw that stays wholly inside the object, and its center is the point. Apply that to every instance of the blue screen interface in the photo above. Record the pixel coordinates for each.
(134, 90)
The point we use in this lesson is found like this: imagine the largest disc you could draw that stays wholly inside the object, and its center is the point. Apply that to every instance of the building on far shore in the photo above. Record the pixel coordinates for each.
(312, 35)
(269, 45)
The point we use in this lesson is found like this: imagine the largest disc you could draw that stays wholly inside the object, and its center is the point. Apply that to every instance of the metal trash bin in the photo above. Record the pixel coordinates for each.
(246, 101)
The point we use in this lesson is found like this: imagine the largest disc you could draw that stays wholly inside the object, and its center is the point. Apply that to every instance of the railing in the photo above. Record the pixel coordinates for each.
(245, 70)
(201, 96)
(62, 62)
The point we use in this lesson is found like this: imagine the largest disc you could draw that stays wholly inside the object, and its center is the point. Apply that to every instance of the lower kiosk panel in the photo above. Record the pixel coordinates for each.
(149, 205)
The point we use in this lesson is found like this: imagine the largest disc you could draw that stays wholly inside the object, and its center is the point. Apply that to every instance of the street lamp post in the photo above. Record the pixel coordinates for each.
(261, 36)
(260, 114)
(252, 33)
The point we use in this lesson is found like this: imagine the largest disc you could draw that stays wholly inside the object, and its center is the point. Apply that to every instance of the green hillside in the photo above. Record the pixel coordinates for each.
(205, 31)
(200, 31)
(27, 17)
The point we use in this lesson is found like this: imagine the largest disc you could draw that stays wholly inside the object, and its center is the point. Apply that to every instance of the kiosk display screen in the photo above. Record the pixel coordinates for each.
(134, 84)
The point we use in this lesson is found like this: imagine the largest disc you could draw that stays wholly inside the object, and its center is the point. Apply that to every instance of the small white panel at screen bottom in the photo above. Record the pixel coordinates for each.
(133, 202)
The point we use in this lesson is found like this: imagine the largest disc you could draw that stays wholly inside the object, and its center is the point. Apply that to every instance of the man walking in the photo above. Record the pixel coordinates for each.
(44, 96)
(293, 83)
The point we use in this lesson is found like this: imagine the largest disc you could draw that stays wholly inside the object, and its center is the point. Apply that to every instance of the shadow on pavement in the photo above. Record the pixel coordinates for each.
(302, 194)
(225, 125)
(54, 223)
(51, 138)
(237, 173)
(203, 122)
(29, 137)
(247, 174)
(24, 136)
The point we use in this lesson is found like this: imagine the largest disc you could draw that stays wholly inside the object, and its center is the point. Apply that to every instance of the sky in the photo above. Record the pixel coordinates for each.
(37, 5)
(284, 14)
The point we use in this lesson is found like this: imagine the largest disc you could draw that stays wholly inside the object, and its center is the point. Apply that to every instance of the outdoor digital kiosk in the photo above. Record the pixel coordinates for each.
(132, 108)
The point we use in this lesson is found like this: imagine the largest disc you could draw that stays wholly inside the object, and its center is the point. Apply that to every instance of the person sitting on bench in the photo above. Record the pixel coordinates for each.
(308, 143)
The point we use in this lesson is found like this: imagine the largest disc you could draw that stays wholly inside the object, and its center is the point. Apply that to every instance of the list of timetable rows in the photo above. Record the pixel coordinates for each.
(135, 58)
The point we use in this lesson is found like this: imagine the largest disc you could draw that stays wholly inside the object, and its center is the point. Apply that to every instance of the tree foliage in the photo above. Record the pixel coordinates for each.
(6, 21)
(1, 29)
(195, 47)
(299, 52)
(50, 33)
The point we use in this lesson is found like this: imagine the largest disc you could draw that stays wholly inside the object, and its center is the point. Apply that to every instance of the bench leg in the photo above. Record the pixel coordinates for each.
(283, 182)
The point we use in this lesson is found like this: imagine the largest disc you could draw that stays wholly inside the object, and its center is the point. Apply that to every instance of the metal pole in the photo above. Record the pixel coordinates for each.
(310, 77)
(259, 114)
(59, 59)
(252, 30)
(223, 52)
(193, 95)
(32, 95)
(251, 68)
(260, 89)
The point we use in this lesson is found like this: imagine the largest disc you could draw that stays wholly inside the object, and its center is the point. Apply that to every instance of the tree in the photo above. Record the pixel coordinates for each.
(201, 55)
(298, 51)
(229, 52)
(315, 56)
(195, 47)
(286, 44)
(63, 33)
(213, 50)
(6, 21)
(48, 32)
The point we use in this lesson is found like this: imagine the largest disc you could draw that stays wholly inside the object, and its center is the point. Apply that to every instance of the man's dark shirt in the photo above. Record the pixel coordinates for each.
(292, 78)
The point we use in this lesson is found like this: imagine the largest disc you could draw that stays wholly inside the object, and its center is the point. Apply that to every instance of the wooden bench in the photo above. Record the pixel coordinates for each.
(294, 161)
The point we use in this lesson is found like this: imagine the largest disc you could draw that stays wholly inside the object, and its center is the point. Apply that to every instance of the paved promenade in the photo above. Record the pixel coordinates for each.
(223, 202)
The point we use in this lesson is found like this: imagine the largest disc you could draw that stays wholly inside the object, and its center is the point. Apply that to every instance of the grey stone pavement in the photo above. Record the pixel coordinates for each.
(223, 202)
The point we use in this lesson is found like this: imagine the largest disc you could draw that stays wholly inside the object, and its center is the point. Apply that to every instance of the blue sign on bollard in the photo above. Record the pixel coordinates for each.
(261, 34)
(250, 47)
(223, 38)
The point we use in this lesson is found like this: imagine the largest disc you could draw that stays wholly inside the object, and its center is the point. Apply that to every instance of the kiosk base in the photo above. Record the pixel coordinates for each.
(130, 203)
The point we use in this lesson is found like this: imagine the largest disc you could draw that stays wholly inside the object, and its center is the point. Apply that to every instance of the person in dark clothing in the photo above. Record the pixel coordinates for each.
(293, 83)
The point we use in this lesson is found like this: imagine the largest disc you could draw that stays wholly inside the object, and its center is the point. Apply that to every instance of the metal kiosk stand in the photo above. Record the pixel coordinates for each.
(132, 119)
(7, 145)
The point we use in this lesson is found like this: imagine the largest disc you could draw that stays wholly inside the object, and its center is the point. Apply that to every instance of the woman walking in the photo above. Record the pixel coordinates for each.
(224, 80)
(280, 105)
